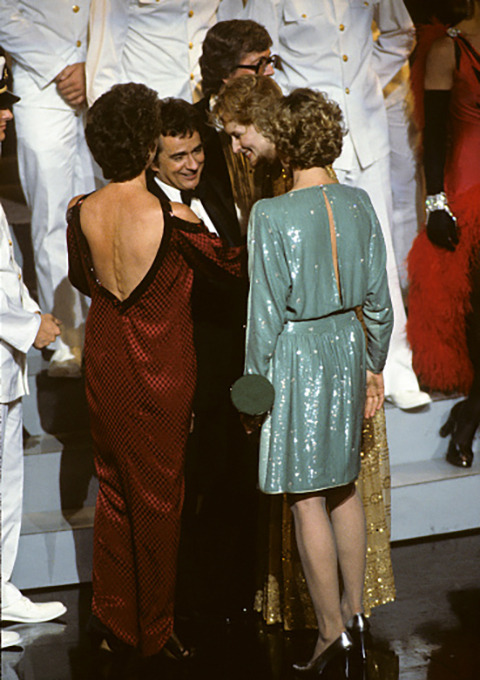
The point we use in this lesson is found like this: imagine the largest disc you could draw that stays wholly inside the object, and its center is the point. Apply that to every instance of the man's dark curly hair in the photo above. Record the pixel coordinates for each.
(224, 47)
(122, 130)
(179, 118)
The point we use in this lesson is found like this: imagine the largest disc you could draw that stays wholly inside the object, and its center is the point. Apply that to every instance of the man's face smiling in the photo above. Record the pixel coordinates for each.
(180, 161)
(247, 140)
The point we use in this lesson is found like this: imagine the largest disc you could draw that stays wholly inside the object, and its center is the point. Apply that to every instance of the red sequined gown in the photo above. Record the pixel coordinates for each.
(140, 377)
(439, 299)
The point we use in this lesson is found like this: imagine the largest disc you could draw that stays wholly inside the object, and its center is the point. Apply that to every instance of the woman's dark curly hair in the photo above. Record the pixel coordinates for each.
(122, 130)
(308, 129)
(224, 47)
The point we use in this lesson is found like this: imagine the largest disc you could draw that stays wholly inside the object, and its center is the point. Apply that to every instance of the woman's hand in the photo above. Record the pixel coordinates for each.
(375, 394)
(251, 423)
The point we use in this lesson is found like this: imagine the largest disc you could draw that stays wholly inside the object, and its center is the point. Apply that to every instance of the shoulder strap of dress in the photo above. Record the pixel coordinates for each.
(81, 199)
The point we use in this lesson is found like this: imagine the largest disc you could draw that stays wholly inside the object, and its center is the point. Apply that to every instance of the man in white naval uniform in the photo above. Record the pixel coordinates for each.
(329, 46)
(47, 42)
(146, 41)
(21, 326)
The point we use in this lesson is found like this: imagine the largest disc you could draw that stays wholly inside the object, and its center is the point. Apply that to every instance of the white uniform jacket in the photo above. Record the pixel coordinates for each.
(43, 36)
(327, 45)
(19, 320)
(145, 41)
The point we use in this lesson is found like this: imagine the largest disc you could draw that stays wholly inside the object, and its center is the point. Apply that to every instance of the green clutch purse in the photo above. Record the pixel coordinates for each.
(252, 394)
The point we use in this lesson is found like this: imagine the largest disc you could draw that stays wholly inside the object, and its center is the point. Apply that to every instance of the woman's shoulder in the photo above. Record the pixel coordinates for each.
(354, 194)
(184, 214)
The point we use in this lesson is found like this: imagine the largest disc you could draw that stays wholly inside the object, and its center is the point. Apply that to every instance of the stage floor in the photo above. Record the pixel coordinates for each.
(430, 633)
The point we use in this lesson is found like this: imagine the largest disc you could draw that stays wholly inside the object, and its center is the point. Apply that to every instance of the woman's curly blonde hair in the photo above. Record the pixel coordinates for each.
(248, 100)
(307, 129)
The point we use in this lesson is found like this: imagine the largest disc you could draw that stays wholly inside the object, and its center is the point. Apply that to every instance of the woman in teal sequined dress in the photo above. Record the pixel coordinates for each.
(315, 254)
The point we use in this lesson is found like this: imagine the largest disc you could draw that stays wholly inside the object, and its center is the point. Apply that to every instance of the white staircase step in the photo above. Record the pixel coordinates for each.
(434, 497)
(429, 496)
(55, 549)
(59, 473)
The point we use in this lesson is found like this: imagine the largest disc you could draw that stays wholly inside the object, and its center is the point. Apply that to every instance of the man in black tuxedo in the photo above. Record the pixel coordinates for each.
(215, 572)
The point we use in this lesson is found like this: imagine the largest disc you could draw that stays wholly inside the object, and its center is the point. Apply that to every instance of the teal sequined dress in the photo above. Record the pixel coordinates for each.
(303, 333)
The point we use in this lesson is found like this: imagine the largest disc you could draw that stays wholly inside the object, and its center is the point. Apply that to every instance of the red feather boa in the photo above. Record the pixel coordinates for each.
(439, 301)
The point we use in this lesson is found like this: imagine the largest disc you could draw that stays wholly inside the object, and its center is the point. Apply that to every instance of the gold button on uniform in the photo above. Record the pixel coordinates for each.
(341, 27)
(304, 16)
(192, 76)
(79, 43)
(76, 8)
(190, 14)
(10, 243)
(345, 58)
(19, 277)
(190, 45)
(347, 90)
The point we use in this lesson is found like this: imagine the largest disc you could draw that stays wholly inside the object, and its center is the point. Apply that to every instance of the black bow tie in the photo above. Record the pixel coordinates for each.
(188, 194)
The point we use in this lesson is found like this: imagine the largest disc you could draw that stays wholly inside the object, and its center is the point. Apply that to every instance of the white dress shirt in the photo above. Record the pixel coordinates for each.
(147, 41)
(19, 321)
(43, 36)
(196, 205)
(328, 45)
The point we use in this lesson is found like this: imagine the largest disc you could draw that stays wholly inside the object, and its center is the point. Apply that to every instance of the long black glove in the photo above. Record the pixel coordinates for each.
(441, 228)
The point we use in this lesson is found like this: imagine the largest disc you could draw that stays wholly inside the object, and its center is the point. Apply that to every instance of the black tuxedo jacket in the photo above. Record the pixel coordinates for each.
(215, 173)
(219, 312)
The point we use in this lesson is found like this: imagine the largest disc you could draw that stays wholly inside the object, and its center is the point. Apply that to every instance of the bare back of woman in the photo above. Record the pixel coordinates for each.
(123, 224)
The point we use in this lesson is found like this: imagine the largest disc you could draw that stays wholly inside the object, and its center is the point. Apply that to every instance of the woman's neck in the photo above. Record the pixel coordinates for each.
(138, 182)
(309, 177)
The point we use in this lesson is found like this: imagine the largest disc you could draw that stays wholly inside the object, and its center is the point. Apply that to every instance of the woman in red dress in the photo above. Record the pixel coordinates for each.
(136, 259)
(444, 267)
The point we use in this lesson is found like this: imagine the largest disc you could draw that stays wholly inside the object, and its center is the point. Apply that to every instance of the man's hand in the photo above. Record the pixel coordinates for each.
(48, 331)
(375, 394)
(71, 84)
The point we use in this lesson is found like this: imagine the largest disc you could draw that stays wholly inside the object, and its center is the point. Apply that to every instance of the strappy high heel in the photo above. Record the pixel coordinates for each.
(359, 630)
(331, 663)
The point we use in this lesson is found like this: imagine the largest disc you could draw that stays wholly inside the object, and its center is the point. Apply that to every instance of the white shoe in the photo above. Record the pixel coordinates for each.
(10, 639)
(66, 362)
(26, 611)
(408, 399)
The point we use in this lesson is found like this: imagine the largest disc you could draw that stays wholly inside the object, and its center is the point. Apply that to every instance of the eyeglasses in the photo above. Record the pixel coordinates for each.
(262, 64)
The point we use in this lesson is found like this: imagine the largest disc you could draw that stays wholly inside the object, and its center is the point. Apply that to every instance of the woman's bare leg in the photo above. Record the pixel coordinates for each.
(317, 549)
(348, 522)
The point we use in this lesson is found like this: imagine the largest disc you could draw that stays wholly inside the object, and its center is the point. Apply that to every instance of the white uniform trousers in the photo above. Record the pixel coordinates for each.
(398, 373)
(405, 175)
(11, 487)
(54, 165)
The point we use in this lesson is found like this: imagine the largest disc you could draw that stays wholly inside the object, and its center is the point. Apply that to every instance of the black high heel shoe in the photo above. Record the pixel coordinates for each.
(176, 650)
(332, 662)
(460, 455)
(359, 630)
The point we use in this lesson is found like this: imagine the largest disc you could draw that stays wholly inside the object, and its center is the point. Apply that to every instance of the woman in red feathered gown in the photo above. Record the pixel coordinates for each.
(444, 298)
(136, 260)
